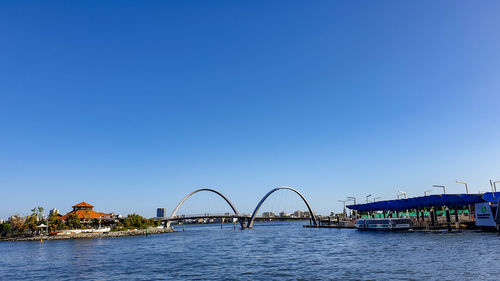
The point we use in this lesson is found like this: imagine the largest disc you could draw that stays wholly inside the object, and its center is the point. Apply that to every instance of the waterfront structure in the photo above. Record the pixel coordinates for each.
(84, 211)
(160, 213)
(268, 215)
(173, 216)
(308, 214)
(298, 214)
(254, 214)
(245, 220)
(426, 206)
(284, 214)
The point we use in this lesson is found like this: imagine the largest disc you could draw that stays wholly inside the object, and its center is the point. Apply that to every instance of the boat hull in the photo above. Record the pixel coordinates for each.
(388, 224)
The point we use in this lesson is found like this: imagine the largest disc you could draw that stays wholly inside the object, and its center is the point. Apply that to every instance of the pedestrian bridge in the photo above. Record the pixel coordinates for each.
(246, 221)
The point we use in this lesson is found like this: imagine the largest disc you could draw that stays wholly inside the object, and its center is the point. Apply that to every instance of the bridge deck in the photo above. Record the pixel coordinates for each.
(208, 216)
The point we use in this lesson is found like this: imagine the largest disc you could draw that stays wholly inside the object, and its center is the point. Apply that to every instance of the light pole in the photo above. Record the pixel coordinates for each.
(495, 185)
(375, 200)
(425, 192)
(402, 193)
(467, 191)
(367, 198)
(343, 201)
(442, 186)
(46, 223)
(466, 187)
(354, 200)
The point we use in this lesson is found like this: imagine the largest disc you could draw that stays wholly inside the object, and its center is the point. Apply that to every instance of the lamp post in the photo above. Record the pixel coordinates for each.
(495, 185)
(354, 200)
(402, 193)
(425, 192)
(375, 200)
(343, 201)
(467, 191)
(46, 223)
(466, 187)
(442, 186)
(367, 198)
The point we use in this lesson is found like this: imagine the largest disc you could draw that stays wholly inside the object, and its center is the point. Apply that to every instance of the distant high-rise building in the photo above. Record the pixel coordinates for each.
(160, 212)
(54, 212)
(268, 215)
(298, 214)
(284, 214)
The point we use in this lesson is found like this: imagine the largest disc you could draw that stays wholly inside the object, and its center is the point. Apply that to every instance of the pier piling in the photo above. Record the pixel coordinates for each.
(448, 218)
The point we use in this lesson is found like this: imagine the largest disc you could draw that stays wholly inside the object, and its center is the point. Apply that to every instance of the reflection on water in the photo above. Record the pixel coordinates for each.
(269, 251)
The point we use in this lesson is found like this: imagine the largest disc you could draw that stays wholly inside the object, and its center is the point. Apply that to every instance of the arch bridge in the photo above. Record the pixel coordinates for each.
(244, 220)
(173, 215)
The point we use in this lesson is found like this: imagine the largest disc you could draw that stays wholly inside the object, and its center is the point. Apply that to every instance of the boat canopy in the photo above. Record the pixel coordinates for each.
(491, 197)
(450, 200)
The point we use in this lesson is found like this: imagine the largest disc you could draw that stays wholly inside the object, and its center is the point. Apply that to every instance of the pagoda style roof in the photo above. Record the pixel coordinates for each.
(83, 204)
(87, 214)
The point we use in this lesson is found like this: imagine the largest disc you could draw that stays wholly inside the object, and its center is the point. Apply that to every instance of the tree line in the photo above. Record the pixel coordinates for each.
(29, 225)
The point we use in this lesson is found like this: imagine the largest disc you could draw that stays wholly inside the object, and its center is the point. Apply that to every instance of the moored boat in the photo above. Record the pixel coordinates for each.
(384, 224)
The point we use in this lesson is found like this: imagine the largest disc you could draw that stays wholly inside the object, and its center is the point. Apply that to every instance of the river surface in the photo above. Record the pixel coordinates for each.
(269, 251)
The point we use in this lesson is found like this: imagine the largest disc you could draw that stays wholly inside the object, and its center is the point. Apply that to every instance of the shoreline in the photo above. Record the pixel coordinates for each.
(93, 235)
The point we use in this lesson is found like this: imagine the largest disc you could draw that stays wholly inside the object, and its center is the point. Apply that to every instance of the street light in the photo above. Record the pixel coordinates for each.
(343, 201)
(442, 186)
(425, 192)
(367, 197)
(353, 199)
(402, 193)
(375, 199)
(495, 185)
(467, 191)
(466, 187)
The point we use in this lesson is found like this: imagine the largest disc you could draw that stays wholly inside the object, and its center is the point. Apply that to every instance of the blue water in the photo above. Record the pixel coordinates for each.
(270, 251)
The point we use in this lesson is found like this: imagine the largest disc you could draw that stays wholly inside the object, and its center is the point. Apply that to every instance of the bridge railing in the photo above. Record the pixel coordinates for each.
(201, 215)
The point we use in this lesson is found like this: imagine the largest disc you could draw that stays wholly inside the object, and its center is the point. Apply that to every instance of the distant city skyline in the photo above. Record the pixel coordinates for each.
(131, 107)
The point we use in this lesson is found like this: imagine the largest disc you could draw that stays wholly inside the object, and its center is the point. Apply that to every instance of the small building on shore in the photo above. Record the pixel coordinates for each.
(85, 212)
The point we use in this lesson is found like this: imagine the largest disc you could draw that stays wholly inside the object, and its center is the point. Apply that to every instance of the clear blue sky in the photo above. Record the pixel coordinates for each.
(129, 105)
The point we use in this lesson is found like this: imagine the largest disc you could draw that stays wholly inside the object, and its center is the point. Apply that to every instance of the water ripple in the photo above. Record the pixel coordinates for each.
(270, 251)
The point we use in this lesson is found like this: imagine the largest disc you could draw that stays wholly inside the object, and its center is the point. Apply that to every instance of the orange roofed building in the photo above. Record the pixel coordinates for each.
(84, 211)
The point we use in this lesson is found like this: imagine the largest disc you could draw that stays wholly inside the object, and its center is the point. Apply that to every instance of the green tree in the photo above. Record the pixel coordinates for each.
(35, 219)
(153, 222)
(135, 221)
(5, 228)
(73, 222)
(55, 223)
(31, 223)
(119, 225)
(38, 212)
